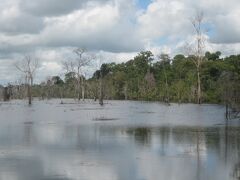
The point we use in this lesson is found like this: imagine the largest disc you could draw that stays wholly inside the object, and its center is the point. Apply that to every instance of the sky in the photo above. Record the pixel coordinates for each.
(115, 30)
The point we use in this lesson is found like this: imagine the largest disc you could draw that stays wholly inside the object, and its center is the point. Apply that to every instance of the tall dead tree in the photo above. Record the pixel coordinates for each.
(198, 50)
(77, 67)
(28, 67)
(81, 61)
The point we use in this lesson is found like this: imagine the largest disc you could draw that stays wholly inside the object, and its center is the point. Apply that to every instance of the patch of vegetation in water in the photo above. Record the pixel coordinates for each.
(105, 119)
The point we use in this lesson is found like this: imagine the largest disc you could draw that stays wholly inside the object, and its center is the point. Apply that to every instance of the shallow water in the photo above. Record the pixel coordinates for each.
(123, 140)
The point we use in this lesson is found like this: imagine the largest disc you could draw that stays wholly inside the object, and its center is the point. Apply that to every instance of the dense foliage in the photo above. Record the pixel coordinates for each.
(174, 80)
(146, 77)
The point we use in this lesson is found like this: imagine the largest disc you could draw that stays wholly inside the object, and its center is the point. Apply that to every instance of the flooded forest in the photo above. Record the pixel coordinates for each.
(135, 120)
(119, 90)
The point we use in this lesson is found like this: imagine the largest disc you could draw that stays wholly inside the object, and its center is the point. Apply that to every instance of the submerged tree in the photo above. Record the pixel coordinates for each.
(197, 52)
(101, 88)
(28, 67)
(6, 93)
(102, 72)
(76, 66)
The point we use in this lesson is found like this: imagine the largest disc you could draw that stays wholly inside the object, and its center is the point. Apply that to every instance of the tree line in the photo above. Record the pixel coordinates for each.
(144, 77)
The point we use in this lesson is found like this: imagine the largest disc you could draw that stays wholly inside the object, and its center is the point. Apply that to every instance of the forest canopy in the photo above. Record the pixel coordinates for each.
(146, 77)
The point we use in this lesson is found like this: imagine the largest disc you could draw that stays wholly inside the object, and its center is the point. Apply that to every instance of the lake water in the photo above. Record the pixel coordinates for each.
(123, 140)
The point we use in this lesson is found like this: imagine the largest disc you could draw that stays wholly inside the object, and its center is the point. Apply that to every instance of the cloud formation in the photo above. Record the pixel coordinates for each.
(110, 27)
(55, 7)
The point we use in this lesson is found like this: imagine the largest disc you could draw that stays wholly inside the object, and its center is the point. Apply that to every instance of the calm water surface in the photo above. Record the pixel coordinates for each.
(122, 140)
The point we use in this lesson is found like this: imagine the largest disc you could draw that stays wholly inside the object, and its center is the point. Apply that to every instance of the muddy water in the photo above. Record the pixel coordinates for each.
(122, 140)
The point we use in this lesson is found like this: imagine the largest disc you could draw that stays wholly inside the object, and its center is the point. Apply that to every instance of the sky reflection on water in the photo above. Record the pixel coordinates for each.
(146, 141)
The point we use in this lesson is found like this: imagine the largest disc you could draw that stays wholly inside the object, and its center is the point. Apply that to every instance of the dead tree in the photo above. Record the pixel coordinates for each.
(81, 62)
(19, 89)
(28, 67)
(197, 23)
(195, 50)
(6, 94)
(77, 66)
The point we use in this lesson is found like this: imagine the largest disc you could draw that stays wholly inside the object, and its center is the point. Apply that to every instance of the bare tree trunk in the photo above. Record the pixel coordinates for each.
(199, 57)
(83, 89)
(79, 97)
(29, 94)
(199, 87)
(101, 92)
(28, 67)
(6, 95)
(78, 89)
(61, 93)
(30, 90)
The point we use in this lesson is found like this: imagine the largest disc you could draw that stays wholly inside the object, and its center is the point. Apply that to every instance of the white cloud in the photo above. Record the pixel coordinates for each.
(116, 29)
(15, 21)
(168, 23)
(103, 27)
(95, 28)
(54, 7)
(163, 18)
(227, 28)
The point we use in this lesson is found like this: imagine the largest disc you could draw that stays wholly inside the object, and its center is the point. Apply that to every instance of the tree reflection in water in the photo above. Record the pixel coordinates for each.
(49, 141)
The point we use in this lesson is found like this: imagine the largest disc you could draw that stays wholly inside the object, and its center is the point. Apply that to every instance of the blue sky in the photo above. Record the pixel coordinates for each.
(143, 4)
